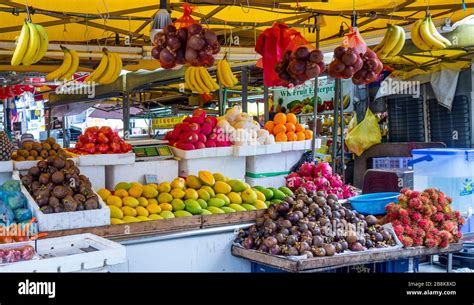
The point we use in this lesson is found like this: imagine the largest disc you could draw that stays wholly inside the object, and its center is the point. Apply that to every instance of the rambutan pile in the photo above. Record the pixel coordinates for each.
(424, 218)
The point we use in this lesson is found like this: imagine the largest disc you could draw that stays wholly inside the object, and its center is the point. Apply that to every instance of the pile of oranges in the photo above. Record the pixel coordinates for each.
(285, 128)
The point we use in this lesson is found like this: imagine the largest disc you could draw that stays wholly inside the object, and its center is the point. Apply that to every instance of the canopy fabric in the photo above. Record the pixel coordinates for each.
(67, 20)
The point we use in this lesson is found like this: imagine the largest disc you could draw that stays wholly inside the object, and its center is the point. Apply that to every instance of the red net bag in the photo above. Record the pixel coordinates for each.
(185, 20)
(347, 57)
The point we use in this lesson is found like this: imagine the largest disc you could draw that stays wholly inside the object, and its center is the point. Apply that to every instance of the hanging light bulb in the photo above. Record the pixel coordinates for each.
(161, 19)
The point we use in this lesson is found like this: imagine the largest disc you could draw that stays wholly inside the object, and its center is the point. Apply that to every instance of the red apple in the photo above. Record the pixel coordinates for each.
(212, 120)
(194, 127)
(199, 113)
(210, 143)
(206, 128)
(191, 137)
(202, 138)
(199, 145)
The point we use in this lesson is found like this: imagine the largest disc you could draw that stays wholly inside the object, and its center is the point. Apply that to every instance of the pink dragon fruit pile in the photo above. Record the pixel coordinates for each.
(319, 178)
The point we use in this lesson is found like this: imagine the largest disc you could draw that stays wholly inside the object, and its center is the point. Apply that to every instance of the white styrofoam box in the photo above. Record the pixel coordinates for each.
(292, 157)
(253, 150)
(194, 154)
(165, 170)
(6, 166)
(224, 151)
(96, 175)
(275, 181)
(232, 167)
(106, 159)
(286, 146)
(67, 254)
(24, 165)
(308, 144)
(67, 220)
(270, 163)
(299, 145)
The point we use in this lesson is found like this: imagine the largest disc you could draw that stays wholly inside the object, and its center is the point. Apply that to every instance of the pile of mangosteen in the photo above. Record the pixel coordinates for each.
(313, 224)
(57, 186)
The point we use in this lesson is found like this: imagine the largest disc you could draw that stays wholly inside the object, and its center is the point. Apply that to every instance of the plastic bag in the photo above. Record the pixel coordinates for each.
(364, 135)
(296, 40)
(352, 123)
(185, 20)
(354, 40)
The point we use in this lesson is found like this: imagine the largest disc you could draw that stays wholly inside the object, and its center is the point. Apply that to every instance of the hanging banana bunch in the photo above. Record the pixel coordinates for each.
(199, 80)
(225, 75)
(32, 45)
(425, 36)
(108, 70)
(392, 43)
(67, 68)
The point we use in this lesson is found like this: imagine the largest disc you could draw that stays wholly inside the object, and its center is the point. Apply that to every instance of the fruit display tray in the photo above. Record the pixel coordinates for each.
(66, 220)
(71, 254)
(299, 145)
(318, 264)
(106, 159)
(6, 166)
(203, 153)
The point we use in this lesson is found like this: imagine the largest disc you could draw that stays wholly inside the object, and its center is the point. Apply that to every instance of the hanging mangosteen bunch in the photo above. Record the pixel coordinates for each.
(300, 65)
(313, 224)
(194, 45)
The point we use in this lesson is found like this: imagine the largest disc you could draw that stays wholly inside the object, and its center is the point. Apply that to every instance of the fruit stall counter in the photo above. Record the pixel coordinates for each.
(318, 264)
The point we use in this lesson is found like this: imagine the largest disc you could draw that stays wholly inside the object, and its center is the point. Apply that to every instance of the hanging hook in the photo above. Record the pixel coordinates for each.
(27, 11)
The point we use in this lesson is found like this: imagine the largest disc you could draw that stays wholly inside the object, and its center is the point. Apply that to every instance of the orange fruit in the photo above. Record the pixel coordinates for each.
(281, 137)
(291, 118)
(269, 126)
(291, 136)
(279, 128)
(280, 118)
(308, 134)
(299, 128)
(290, 127)
(300, 136)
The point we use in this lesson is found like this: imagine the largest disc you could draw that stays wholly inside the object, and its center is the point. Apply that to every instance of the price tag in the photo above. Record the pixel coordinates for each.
(151, 179)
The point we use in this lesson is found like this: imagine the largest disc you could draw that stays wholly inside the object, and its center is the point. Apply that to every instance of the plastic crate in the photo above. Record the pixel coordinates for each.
(391, 162)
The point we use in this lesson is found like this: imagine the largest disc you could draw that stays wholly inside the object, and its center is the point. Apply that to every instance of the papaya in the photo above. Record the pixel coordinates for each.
(216, 202)
(228, 210)
(183, 214)
(285, 191)
(237, 207)
(115, 212)
(248, 207)
(206, 178)
(215, 210)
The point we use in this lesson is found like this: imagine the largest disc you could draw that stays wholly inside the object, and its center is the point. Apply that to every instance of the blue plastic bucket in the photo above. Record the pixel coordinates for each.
(373, 203)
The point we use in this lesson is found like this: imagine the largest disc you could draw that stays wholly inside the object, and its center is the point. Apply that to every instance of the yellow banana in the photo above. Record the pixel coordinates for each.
(44, 43)
(400, 43)
(197, 81)
(220, 78)
(208, 80)
(73, 67)
(416, 37)
(187, 80)
(33, 45)
(227, 68)
(392, 40)
(97, 73)
(378, 47)
(21, 46)
(436, 34)
(227, 73)
(428, 38)
(108, 74)
(118, 66)
(63, 68)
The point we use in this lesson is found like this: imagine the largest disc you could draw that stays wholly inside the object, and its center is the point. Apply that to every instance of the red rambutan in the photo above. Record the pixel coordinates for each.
(398, 230)
(418, 241)
(438, 217)
(415, 216)
(414, 194)
(407, 241)
(431, 242)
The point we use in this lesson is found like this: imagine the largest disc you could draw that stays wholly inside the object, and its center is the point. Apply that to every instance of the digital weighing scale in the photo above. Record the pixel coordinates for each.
(151, 150)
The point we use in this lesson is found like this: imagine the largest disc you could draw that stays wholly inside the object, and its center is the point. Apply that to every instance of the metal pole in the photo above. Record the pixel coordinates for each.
(126, 116)
(341, 103)
(335, 125)
(221, 101)
(244, 80)
(48, 127)
(266, 110)
(315, 104)
(66, 140)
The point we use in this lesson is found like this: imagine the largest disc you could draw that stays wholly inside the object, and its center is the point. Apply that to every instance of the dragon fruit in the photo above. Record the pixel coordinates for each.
(310, 186)
(323, 169)
(321, 183)
(335, 181)
(306, 169)
(293, 181)
(308, 178)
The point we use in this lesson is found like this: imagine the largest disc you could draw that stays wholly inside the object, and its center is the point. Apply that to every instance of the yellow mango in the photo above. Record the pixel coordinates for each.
(104, 194)
(121, 193)
(206, 178)
(177, 193)
(193, 182)
(165, 197)
(153, 208)
(164, 187)
(135, 191)
(130, 219)
(191, 194)
(114, 200)
(130, 202)
(116, 221)
(149, 192)
(128, 211)
(166, 206)
(143, 218)
(155, 217)
(178, 183)
(142, 201)
(141, 211)
(115, 212)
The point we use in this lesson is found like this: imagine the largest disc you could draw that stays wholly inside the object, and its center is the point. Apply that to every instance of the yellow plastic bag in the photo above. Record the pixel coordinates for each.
(352, 123)
(364, 135)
